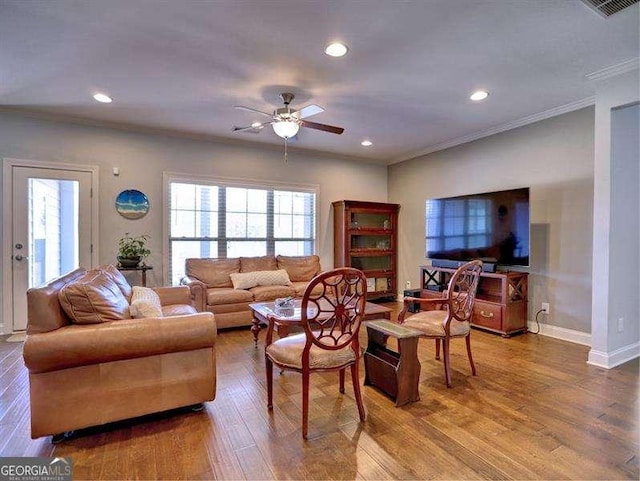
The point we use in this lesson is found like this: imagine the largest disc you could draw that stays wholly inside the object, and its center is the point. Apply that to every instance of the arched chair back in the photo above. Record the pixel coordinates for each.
(461, 292)
(332, 308)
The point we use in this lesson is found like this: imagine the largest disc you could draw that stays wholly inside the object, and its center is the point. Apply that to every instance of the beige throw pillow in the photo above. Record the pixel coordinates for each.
(145, 303)
(247, 280)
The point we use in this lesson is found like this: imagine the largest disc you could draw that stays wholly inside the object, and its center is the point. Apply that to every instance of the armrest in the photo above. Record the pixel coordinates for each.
(410, 300)
(421, 300)
(198, 292)
(81, 345)
(273, 320)
(173, 295)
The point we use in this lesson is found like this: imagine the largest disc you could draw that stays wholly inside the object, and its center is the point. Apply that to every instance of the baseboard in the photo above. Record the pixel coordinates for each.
(577, 337)
(608, 360)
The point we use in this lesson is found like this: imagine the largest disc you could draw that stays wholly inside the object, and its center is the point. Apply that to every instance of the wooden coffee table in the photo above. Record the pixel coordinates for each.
(261, 310)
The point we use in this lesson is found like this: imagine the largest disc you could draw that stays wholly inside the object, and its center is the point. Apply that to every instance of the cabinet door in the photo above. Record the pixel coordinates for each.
(370, 220)
(370, 242)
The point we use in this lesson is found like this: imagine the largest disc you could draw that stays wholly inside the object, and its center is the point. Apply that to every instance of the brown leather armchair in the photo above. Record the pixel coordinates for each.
(84, 375)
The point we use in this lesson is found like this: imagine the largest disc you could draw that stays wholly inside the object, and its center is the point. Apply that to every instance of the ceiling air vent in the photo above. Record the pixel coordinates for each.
(606, 8)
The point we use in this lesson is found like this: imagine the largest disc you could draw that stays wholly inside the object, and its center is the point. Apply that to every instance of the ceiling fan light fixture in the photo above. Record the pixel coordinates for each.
(336, 49)
(479, 95)
(102, 98)
(286, 128)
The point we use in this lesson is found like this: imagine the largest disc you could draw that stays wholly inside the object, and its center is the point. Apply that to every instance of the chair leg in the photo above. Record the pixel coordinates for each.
(437, 349)
(305, 403)
(473, 366)
(447, 362)
(269, 367)
(342, 381)
(355, 377)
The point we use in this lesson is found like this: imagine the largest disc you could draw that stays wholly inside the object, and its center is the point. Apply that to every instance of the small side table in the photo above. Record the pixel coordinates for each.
(394, 373)
(142, 269)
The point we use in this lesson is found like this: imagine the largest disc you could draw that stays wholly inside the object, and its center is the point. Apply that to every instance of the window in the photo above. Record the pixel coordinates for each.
(226, 219)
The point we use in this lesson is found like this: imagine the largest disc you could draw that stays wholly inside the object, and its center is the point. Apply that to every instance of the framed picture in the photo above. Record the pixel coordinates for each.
(132, 204)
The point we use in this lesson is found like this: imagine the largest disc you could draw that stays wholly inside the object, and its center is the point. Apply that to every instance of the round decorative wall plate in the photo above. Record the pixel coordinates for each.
(132, 204)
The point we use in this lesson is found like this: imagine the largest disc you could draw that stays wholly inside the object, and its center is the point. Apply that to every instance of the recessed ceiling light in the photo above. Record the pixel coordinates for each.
(366, 143)
(105, 99)
(479, 95)
(336, 49)
(255, 125)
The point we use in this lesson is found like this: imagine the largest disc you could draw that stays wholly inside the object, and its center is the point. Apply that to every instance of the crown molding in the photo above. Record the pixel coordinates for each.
(563, 109)
(613, 70)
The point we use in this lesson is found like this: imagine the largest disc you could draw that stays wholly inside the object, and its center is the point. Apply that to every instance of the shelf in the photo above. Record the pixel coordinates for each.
(370, 252)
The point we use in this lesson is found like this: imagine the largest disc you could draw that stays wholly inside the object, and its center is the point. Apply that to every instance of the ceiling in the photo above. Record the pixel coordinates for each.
(181, 66)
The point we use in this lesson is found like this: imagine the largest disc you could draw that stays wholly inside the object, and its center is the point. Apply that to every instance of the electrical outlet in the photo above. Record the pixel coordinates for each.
(408, 284)
(545, 307)
(620, 324)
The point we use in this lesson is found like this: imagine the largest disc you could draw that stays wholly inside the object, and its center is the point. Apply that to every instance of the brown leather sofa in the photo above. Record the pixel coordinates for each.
(212, 284)
(94, 373)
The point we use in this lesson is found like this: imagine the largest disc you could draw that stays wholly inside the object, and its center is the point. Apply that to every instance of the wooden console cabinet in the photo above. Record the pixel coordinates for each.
(501, 300)
(365, 236)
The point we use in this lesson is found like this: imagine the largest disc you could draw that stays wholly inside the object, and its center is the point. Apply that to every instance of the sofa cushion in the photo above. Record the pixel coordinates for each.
(271, 293)
(300, 287)
(118, 278)
(250, 264)
(213, 272)
(247, 280)
(300, 268)
(178, 310)
(94, 298)
(225, 295)
(145, 303)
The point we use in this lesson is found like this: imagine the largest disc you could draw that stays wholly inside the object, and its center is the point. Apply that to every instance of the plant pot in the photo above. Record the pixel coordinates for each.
(129, 261)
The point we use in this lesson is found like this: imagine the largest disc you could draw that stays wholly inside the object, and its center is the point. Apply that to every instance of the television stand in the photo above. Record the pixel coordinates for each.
(501, 304)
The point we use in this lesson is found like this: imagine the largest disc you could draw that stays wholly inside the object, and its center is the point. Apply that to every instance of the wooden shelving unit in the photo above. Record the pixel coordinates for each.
(365, 236)
(501, 300)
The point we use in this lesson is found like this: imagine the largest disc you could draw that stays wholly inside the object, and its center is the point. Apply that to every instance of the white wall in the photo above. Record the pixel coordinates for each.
(554, 158)
(142, 157)
(615, 171)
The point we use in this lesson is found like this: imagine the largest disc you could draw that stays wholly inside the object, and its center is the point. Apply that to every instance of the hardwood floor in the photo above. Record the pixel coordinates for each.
(535, 410)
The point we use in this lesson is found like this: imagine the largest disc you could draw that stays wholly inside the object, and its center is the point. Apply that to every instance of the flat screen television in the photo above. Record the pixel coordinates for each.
(492, 226)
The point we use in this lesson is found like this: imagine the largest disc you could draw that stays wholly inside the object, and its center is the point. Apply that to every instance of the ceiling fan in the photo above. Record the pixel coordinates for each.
(287, 121)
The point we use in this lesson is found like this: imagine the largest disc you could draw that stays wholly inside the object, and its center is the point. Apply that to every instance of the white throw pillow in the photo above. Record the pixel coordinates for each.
(145, 303)
(247, 280)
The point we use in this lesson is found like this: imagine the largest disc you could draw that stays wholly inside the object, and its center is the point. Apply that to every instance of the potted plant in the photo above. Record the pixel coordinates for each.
(131, 250)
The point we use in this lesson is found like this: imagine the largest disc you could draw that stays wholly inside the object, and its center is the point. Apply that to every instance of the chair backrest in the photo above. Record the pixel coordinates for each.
(462, 289)
(331, 315)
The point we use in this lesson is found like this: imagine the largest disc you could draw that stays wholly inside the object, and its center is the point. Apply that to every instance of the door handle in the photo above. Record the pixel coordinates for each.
(20, 257)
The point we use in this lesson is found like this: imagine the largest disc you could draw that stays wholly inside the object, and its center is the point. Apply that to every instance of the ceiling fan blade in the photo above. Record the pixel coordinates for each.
(308, 111)
(250, 109)
(326, 128)
(250, 129)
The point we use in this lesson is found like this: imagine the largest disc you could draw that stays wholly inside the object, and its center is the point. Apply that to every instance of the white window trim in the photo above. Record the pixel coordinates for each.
(169, 177)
